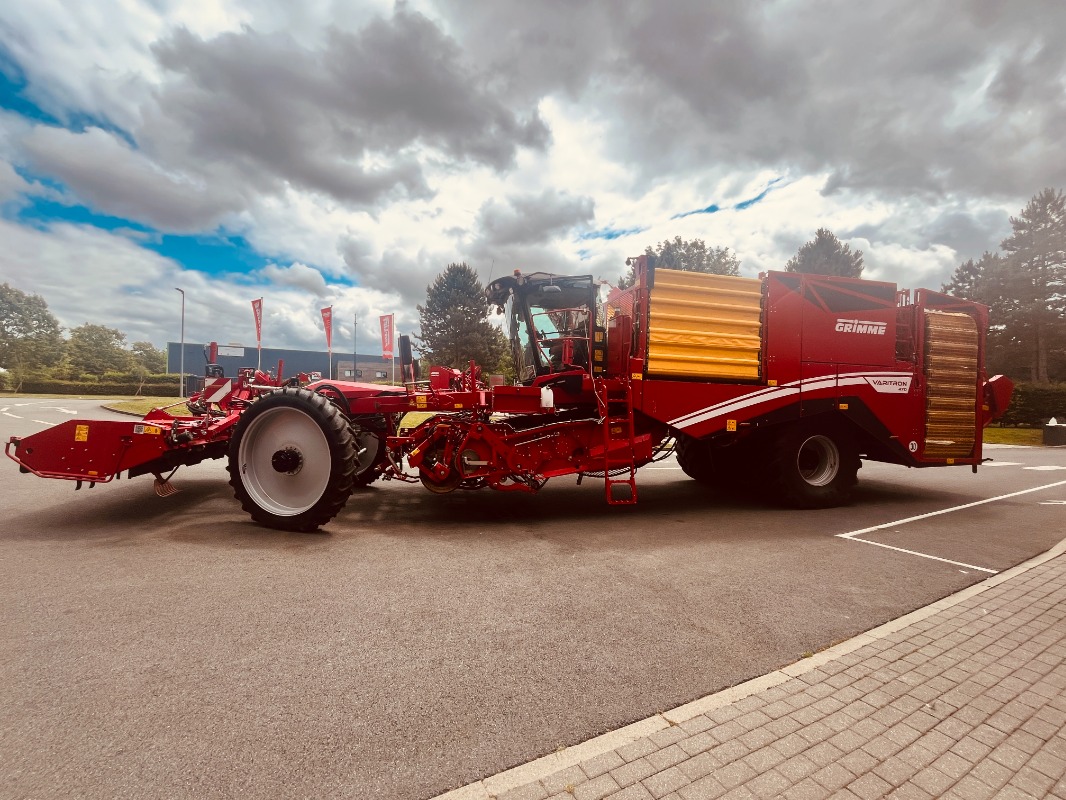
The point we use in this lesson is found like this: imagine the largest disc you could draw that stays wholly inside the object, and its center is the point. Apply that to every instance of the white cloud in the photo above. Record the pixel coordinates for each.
(299, 276)
(11, 183)
(377, 142)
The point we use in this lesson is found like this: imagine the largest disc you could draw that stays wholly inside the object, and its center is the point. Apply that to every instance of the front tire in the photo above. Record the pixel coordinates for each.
(369, 455)
(813, 467)
(292, 460)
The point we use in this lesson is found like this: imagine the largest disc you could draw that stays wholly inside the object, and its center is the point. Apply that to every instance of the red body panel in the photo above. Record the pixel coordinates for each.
(90, 451)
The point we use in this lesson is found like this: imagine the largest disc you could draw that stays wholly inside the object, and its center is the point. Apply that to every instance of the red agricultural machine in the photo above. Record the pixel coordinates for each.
(786, 379)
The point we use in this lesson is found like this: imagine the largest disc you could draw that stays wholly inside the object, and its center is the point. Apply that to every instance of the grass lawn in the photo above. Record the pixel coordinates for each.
(142, 405)
(1028, 436)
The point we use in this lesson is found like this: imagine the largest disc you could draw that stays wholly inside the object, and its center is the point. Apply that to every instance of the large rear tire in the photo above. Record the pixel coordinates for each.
(695, 459)
(812, 467)
(292, 460)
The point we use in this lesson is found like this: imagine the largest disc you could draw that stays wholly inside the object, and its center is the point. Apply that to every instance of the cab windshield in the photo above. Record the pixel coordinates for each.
(549, 326)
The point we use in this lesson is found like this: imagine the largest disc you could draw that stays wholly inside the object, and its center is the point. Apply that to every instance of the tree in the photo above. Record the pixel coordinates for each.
(825, 255)
(96, 349)
(148, 357)
(688, 256)
(30, 336)
(1032, 286)
(975, 280)
(145, 360)
(454, 321)
(982, 282)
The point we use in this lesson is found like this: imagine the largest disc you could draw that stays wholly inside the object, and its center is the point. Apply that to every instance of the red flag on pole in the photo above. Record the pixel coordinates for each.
(387, 326)
(327, 321)
(257, 311)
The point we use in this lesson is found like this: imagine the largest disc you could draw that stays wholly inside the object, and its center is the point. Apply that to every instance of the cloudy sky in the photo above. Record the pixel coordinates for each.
(333, 152)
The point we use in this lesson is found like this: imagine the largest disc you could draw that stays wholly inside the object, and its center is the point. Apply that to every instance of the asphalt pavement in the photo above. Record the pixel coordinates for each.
(170, 647)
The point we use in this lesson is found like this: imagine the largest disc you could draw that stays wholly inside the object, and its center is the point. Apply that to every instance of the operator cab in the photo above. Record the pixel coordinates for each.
(548, 320)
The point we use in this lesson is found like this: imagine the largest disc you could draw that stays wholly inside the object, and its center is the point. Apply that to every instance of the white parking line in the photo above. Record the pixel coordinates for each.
(852, 536)
(1044, 469)
(42, 422)
(1001, 464)
(926, 555)
(13, 416)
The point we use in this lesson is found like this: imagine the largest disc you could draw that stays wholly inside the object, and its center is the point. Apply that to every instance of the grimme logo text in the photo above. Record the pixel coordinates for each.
(860, 326)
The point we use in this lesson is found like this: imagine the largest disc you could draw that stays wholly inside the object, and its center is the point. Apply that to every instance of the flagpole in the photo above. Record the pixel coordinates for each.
(355, 348)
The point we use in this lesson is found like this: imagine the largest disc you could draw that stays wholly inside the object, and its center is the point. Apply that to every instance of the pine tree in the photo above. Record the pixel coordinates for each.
(454, 322)
(1032, 291)
(974, 280)
(825, 255)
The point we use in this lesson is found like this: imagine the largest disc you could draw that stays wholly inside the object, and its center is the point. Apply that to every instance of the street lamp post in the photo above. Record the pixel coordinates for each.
(182, 359)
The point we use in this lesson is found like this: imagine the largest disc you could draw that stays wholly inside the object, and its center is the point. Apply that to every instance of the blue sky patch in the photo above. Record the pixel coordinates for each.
(713, 208)
(40, 213)
(12, 84)
(13, 98)
(609, 233)
(749, 203)
(214, 255)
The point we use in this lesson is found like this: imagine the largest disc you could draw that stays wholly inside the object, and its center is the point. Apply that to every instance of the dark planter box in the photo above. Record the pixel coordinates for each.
(1054, 434)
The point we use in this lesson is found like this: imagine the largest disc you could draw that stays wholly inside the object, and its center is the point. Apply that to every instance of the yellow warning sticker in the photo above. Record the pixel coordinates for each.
(151, 430)
(637, 376)
(731, 425)
(420, 399)
(81, 433)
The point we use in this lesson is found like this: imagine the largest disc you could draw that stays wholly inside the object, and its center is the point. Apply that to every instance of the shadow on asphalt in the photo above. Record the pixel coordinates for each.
(205, 512)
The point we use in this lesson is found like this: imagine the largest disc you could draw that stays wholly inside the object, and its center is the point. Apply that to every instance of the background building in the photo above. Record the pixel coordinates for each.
(231, 357)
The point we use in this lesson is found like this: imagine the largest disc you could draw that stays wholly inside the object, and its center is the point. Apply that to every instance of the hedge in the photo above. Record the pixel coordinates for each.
(122, 388)
(1034, 404)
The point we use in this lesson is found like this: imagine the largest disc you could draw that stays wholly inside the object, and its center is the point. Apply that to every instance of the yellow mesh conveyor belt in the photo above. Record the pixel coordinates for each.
(951, 380)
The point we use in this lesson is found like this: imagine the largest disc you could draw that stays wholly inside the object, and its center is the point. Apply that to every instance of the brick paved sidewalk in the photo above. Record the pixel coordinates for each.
(964, 699)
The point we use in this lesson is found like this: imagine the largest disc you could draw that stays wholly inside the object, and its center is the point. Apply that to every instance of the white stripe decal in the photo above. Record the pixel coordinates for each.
(736, 405)
(775, 392)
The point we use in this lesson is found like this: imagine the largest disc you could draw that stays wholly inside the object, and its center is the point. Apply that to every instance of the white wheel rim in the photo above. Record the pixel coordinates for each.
(818, 460)
(285, 461)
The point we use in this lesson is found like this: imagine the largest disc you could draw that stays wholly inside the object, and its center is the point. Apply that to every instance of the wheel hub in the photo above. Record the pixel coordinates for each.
(818, 460)
(287, 460)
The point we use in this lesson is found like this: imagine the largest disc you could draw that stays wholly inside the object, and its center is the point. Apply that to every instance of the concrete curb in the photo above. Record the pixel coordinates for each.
(495, 785)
